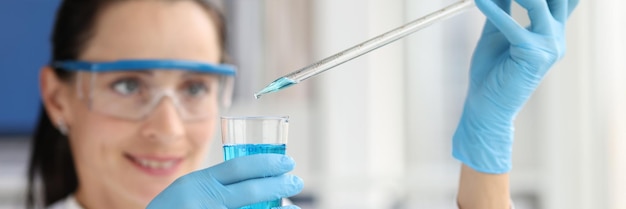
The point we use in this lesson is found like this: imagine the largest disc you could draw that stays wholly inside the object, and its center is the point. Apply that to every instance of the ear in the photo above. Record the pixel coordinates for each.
(55, 95)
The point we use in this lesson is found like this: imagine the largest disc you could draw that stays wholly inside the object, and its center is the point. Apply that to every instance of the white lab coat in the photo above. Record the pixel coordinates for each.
(67, 203)
(456, 205)
(71, 203)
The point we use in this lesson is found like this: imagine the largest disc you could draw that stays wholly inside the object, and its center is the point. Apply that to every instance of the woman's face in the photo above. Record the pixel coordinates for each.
(125, 163)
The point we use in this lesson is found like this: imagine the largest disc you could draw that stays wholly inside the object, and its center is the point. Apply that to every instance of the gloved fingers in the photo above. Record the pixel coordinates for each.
(505, 5)
(287, 207)
(539, 13)
(571, 5)
(262, 189)
(502, 21)
(250, 167)
(190, 191)
(561, 9)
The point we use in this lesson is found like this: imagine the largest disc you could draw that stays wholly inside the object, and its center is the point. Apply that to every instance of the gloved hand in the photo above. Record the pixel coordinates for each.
(232, 184)
(507, 66)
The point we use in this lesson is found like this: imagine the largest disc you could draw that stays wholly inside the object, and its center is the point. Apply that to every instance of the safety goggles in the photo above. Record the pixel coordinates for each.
(131, 89)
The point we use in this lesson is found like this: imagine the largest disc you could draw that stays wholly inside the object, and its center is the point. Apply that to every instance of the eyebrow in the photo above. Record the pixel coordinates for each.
(146, 72)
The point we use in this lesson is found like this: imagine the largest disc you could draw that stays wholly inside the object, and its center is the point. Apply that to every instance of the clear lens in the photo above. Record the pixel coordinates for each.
(134, 94)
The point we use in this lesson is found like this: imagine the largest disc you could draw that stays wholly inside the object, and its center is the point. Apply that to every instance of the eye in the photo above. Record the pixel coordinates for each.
(196, 89)
(126, 86)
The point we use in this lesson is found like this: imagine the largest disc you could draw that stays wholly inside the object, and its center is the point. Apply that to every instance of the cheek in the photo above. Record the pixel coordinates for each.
(200, 135)
(97, 140)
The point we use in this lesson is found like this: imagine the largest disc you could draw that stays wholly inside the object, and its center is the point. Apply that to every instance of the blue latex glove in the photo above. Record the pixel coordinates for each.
(232, 184)
(507, 66)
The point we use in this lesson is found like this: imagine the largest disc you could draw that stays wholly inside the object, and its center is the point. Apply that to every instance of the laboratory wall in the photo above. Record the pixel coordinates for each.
(376, 131)
(24, 48)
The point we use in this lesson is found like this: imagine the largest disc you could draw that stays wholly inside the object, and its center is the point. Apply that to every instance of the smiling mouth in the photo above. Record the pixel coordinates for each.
(154, 165)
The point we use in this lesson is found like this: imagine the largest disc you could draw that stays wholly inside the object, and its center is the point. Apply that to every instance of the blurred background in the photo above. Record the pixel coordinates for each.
(376, 132)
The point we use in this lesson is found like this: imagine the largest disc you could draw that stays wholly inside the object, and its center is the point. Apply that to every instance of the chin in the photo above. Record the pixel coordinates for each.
(148, 185)
(146, 194)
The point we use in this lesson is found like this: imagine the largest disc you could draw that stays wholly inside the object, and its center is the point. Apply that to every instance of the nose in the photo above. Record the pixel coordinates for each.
(164, 122)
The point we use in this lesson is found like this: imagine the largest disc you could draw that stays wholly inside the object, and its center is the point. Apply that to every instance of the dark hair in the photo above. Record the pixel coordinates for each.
(51, 172)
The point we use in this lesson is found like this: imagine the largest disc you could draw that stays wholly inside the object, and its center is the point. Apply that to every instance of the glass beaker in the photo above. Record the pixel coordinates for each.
(249, 135)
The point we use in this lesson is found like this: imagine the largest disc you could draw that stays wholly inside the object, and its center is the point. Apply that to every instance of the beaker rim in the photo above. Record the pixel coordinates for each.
(256, 117)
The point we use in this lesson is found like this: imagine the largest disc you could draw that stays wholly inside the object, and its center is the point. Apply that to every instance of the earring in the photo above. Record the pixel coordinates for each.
(62, 127)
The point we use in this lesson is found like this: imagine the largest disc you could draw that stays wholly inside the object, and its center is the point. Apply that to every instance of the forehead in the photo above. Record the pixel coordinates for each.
(154, 29)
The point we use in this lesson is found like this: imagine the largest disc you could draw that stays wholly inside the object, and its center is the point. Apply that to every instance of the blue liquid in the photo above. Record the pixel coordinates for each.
(233, 151)
(277, 85)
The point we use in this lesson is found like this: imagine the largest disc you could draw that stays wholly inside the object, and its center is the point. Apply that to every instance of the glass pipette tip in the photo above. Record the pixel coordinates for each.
(365, 47)
(278, 84)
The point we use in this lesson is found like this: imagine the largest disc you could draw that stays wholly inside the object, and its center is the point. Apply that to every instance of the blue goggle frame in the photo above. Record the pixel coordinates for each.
(122, 65)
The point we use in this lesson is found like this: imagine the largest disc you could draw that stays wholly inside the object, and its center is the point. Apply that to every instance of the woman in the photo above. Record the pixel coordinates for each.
(130, 104)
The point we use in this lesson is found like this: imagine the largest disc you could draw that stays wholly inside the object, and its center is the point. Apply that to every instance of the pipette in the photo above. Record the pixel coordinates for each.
(365, 47)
